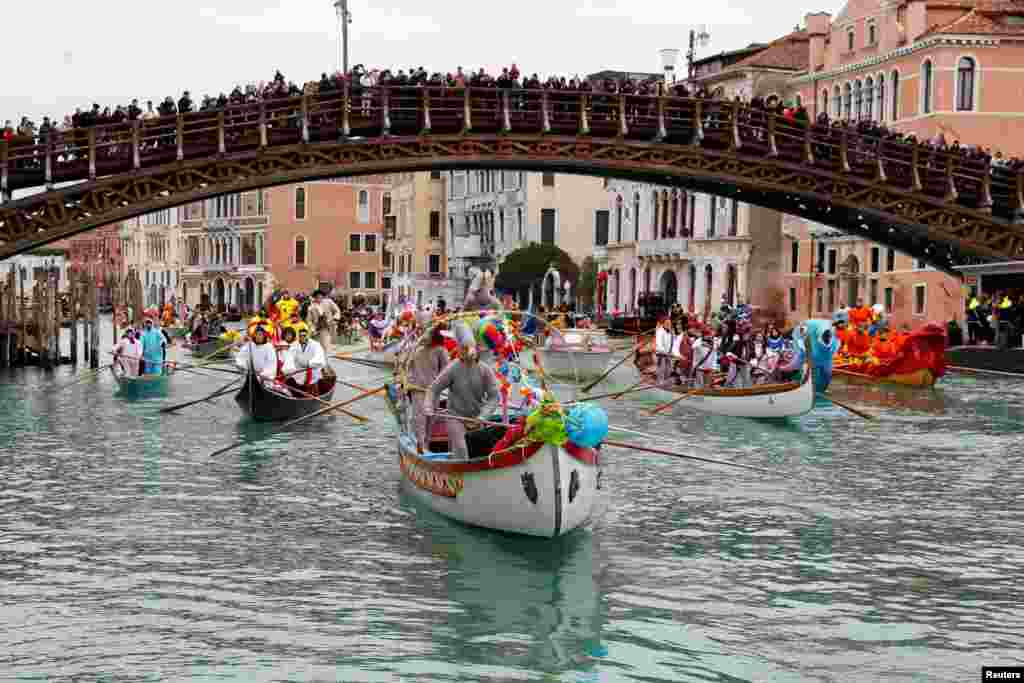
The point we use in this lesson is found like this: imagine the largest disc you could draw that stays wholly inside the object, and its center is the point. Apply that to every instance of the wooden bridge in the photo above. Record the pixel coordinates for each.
(945, 207)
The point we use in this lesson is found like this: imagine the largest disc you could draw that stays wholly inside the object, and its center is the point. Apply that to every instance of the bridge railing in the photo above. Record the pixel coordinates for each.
(350, 111)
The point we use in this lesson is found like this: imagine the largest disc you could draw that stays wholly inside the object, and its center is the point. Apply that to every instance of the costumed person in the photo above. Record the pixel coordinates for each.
(706, 359)
(663, 350)
(375, 329)
(259, 353)
(471, 385)
(324, 315)
(287, 306)
(426, 366)
(127, 354)
(307, 354)
(480, 295)
(823, 349)
(153, 345)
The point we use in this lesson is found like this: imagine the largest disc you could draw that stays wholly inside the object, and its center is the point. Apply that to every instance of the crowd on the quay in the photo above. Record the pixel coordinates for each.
(996, 319)
(360, 78)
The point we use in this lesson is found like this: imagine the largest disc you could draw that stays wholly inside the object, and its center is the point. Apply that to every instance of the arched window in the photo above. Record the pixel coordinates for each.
(674, 223)
(684, 226)
(858, 102)
(618, 218)
(895, 95)
(880, 97)
(823, 105)
(837, 103)
(926, 87)
(300, 203)
(386, 204)
(364, 207)
(847, 101)
(636, 217)
(869, 98)
(965, 84)
(655, 214)
(300, 250)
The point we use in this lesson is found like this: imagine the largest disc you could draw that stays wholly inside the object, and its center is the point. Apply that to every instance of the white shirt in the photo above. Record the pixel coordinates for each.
(129, 353)
(311, 356)
(663, 341)
(708, 361)
(263, 356)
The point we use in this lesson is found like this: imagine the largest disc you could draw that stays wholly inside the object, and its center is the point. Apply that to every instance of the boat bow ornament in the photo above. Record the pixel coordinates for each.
(943, 207)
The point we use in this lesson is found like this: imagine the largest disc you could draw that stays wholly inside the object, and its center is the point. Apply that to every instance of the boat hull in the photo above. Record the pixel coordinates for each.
(207, 349)
(582, 365)
(919, 378)
(762, 401)
(263, 405)
(143, 385)
(548, 493)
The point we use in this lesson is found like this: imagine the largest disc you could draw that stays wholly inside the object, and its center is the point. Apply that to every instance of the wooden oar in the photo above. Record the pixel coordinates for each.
(627, 390)
(586, 389)
(666, 406)
(997, 373)
(226, 389)
(289, 425)
(849, 408)
(350, 385)
(87, 375)
(614, 395)
(357, 418)
(616, 444)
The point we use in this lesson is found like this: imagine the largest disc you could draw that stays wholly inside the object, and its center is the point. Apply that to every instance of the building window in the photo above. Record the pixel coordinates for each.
(850, 37)
(548, 179)
(847, 100)
(873, 292)
(792, 299)
(869, 98)
(926, 87)
(895, 95)
(872, 34)
(657, 213)
(370, 243)
(601, 219)
(434, 175)
(519, 223)
(819, 300)
(385, 283)
(821, 257)
(364, 207)
(712, 216)
(823, 103)
(300, 251)
(386, 261)
(920, 299)
(831, 261)
(888, 300)
(734, 220)
(636, 217)
(353, 280)
(386, 203)
(837, 103)
(434, 264)
(858, 101)
(965, 84)
(794, 257)
(370, 280)
(300, 203)
(355, 243)
(435, 225)
(618, 218)
(831, 295)
(890, 260)
(547, 226)
(875, 259)
(919, 264)
(880, 97)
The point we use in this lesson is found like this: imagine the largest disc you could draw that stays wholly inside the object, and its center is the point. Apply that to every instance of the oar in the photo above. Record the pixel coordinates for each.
(289, 425)
(616, 444)
(226, 389)
(89, 374)
(614, 395)
(666, 406)
(586, 389)
(358, 418)
(350, 386)
(851, 409)
(997, 373)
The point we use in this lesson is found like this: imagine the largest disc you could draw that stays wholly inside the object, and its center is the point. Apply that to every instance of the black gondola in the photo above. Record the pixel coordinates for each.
(264, 405)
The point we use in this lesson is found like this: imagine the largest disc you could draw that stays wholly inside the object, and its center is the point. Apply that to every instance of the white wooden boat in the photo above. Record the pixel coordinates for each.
(576, 354)
(540, 490)
(790, 399)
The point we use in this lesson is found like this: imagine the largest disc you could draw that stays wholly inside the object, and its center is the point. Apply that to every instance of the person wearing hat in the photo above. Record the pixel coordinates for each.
(426, 366)
(706, 358)
(663, 342)
(153, 347)
(323, 319)
(470, 385)
(259, 354)
(307, 354)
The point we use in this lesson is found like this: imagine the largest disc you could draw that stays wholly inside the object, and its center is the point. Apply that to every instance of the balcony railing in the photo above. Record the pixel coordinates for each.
(667, 248)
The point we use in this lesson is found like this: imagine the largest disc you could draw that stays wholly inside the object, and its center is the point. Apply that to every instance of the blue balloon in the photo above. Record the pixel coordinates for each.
(586, 424)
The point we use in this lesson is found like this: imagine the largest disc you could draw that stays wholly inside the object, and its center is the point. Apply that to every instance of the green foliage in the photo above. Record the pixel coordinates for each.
(526, 267)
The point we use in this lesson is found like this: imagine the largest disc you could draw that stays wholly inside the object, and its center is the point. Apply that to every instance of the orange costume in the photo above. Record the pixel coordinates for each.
(859, 343)
(860, 316)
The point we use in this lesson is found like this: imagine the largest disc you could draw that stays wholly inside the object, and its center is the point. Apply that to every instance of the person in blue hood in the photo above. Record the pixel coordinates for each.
(824, 345)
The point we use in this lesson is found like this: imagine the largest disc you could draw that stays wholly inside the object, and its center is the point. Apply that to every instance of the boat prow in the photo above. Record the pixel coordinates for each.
(540, 490)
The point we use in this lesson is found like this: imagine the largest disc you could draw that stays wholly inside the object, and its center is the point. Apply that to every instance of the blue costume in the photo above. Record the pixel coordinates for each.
(822, 353)
(152, 351)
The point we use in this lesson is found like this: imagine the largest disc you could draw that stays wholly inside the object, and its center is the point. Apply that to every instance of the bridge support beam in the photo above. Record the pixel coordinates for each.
(545, 107)
(222, 146)
(136, 143)
(623, 128)
(662, 128)
(427, 125)
(386, 112)
(506, 117)
(346, 107)
(92, 154)
(773, 149)
(263, 124)
(467, 113)
(48, 172)
(584, 121)
(180, 124)
(305, 118)
(698, 122)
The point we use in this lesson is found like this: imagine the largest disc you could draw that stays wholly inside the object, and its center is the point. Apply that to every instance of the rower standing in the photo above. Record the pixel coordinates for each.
(470, 386)
(307, 354)
(428, 363)
(153, 346)
(258, 354)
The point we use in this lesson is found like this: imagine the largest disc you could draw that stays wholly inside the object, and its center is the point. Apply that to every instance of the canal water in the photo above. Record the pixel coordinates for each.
(882, 550)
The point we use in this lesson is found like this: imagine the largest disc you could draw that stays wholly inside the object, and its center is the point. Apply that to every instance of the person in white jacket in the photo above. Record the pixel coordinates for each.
(663, 343)
(127, 354)
(307, 354)
(705, 357)
(260, 354)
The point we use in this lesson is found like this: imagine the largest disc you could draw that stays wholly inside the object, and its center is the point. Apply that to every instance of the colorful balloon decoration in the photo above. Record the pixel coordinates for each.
(586, 424)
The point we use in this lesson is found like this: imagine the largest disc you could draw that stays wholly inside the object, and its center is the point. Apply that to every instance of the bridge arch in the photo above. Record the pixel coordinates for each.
(939, 206)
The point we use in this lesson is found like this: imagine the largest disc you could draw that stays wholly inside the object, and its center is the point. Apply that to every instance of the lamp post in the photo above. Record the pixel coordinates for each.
(698, 38)
(344, 19)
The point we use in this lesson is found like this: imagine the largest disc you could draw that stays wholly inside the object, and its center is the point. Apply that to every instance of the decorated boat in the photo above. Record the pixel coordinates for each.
(265, 404)
(918, 360)
(576, 354)
(533, 470)
(211, 349)
(141, 385)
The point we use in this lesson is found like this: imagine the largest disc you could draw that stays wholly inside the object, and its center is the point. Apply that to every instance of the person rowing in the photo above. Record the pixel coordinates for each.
(471, 385)
(307, 354)
(258, 354)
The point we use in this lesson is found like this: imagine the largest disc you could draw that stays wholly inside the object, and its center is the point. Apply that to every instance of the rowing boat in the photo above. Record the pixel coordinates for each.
(208, 348)
(918, 378)
(581, 355)
(141, 385)
(537, 490)
(269, 405)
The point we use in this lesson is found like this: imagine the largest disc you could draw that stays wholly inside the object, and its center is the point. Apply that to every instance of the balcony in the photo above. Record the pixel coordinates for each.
(468, 246)
(666, 249)
(600, 252)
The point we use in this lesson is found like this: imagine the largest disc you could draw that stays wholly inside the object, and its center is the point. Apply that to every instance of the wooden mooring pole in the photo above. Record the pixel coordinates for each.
(94, 316)
(73, 313)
